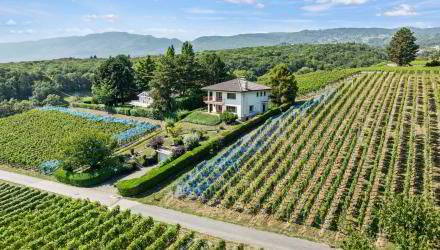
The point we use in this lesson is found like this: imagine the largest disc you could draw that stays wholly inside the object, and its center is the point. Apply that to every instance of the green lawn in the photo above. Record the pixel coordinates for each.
(203, 118)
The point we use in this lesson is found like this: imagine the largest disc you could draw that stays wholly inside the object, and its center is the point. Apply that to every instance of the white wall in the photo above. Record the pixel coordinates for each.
(236, 103)
(243, 101)
(251, 98)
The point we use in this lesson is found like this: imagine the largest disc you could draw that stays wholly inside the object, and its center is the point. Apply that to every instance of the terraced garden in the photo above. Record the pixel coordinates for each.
(30, 219)
(330, 164)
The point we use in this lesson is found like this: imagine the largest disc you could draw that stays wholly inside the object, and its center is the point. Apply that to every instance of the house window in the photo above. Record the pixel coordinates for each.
(251, 108)
(231, 96)
(231, 109)
(264, 93)
(258, 94)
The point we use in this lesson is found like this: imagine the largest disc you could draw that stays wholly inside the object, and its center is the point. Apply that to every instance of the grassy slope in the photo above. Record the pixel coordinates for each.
(202, 118)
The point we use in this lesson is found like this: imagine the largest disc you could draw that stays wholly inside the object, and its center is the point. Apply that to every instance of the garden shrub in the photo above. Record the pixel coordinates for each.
(191, 140)
(157, 142)
(177, 151)
(90, 179)
(228, 117)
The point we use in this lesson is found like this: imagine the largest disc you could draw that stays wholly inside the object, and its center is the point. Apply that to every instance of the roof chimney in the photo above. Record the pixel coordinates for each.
(243, 83)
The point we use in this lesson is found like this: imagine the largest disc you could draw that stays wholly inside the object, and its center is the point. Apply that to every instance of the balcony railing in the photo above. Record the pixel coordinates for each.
(212, 99)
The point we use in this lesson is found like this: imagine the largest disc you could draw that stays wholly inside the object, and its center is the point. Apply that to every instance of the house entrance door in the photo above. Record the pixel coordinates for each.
(219, 108)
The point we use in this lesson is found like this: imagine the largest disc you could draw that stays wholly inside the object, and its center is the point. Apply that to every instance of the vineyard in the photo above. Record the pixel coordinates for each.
(30, 219)
(34, 138)
(330, 163)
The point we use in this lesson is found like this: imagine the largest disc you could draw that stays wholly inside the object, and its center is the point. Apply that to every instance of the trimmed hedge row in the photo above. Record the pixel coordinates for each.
(188, 160)
(130, 111)
(89, 179)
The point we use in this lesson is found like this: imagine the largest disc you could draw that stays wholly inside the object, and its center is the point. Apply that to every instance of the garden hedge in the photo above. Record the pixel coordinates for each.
(188, 160)
(89, 179)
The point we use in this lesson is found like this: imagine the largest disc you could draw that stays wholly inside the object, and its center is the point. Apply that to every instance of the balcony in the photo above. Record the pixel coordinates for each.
(213, 99)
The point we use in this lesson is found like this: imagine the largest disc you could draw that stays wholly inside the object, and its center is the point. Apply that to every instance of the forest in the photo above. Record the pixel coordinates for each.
(39, 79)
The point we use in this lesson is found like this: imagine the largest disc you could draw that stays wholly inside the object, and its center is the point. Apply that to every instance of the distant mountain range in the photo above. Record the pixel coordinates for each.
(113, 43)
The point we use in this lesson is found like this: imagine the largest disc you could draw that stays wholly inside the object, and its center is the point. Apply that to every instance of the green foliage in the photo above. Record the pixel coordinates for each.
(187, 70)
(357, 240)
(12, 107)
(54, 100)
(91, 178)
(246, 74)
(48, 130)
(191, 140)
(228, 117)
(19, 80)
(86, 150)
(202, 118)
(433, 63)
(115, 80)
(259, 60)
(213, 69)
(42, 89)
(283, 83)
(403, 48)
(411, 222)
(164, 82)
(144, 69)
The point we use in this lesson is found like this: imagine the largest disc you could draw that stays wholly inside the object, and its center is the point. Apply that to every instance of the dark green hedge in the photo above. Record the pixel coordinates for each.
(89, 179)
(188, 160)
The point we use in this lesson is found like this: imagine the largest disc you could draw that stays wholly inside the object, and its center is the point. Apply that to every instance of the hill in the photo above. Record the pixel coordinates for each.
(113, 43)
(101, 45)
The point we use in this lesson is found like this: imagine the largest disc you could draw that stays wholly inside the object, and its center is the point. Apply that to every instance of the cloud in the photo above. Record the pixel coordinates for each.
(322, 5)
(250, 2)
(200, 11)
(11, 22)
(26, 31)
(401, 10)
(108, 18)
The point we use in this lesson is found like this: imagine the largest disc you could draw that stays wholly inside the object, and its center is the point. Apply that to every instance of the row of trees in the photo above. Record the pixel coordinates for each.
(171, 75)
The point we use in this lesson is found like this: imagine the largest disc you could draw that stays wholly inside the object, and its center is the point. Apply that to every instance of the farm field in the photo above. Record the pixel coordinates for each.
(31, 219)
(35, 137)
(330, 164)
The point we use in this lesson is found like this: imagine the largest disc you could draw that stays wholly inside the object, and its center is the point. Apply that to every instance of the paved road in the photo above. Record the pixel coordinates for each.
(227, 231)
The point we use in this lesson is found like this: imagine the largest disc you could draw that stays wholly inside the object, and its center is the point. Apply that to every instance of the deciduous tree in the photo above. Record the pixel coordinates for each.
(283, 83)
(87, 150)
(117, 73)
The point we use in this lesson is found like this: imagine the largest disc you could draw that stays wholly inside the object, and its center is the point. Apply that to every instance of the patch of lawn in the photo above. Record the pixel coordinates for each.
(203, 118)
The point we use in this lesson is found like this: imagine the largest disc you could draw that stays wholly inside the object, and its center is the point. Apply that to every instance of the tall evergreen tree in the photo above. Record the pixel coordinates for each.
(213, 69)
(144, 70)
(403, 48)
(164, 81)
(117, 74)
(283, 83)
(188, 69)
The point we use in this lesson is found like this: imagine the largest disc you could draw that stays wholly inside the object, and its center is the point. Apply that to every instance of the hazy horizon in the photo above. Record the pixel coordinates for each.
(31, 20)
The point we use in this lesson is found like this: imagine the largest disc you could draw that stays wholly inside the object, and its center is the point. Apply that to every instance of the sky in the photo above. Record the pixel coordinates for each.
(24, 20)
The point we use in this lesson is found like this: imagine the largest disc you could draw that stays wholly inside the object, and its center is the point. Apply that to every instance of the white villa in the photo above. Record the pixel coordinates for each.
(145, 100)
(237, 96)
